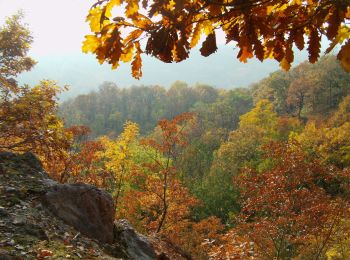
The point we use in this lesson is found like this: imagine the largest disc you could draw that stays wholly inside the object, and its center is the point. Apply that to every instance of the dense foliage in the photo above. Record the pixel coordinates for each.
(106, 110)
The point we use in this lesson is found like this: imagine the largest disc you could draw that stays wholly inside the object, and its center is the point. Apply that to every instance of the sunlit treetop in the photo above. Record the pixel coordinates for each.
(259, 28)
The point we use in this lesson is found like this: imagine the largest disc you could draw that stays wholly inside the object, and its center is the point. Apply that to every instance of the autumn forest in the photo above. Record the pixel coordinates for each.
(255, 172)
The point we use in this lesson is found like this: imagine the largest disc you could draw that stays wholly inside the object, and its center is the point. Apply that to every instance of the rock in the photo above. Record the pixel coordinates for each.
(3, 212)
(19, 221)
(6, 156)
(85, 207)
(137, 245)
(11, 190)
(27, 158)
(32, 161)
(19, 247)
(36, 231)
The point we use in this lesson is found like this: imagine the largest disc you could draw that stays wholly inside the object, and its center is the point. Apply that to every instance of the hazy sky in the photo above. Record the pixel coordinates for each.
(57, 25)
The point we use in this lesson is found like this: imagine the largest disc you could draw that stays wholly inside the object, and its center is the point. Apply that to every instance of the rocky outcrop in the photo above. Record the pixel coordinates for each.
(40, 218)
(28, 230)
(88, 209)
(137, 245)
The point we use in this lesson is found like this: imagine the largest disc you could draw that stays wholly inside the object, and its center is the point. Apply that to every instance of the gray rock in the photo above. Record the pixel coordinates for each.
(31, 160)
(3, 212)
(85, 207)
(19, 221)
(137, 245)
(36, 231)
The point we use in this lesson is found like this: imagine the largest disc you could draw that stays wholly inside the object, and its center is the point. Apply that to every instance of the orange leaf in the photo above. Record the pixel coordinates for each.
(244, 54)
(137, 62)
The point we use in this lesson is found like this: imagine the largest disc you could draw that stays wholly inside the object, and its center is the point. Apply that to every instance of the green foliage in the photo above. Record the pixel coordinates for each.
(106, 111)
(307, 90)
(342, 115)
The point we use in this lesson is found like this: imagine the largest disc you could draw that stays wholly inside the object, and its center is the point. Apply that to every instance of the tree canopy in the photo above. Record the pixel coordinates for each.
(259, 28)
(15, 40)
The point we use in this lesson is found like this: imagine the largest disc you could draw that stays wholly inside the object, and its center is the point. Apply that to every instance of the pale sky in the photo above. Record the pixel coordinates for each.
(58, 26)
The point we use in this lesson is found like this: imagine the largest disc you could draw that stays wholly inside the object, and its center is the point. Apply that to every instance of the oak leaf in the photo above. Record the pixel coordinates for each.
(209, 45)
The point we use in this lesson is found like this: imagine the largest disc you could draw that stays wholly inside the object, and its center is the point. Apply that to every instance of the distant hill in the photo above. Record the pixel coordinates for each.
(83, 72)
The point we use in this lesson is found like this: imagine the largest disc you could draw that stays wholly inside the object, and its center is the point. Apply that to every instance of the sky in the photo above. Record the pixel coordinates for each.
(58, 28)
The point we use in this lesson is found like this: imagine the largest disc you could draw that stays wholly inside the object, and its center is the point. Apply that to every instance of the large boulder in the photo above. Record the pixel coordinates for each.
(136, 245)
(85, 207)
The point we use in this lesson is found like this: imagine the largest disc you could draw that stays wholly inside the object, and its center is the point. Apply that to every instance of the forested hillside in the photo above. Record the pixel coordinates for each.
(226, 142)
(261, 172)
(307, 92)
(105, 111)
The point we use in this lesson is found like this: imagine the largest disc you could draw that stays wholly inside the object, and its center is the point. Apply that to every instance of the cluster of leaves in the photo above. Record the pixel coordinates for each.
(264, 29)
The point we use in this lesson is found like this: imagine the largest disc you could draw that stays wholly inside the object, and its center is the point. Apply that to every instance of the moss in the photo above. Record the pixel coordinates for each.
(25, 240)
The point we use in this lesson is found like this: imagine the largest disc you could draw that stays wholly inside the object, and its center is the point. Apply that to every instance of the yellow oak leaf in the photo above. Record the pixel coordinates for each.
(110, 5)
(127, 53)
(196, 35)
(94, 18)
(131, 8)
(90, 44)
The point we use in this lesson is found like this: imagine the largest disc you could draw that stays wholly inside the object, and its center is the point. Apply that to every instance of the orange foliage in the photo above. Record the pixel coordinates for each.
(294, 207)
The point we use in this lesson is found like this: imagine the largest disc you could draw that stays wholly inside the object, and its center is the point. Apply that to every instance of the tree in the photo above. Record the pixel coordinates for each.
(264, 29)
(172, 136)
(37, 129)
(274, 88)
(307, 91)
(15, 40)
(117, 157)
(342, 115)
(299, 91)
(291, 209)
(330, 144)
(242, 148)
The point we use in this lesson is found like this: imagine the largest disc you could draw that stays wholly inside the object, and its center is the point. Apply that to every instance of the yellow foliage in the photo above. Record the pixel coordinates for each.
(196, 35)
(90, 44)
(132, 8)
(128, 53)
(117, 157)
(94, 18)
(263, 117)
(110, 5)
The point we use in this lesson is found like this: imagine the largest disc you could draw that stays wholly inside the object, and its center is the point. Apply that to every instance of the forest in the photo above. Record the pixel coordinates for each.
(257, 172)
